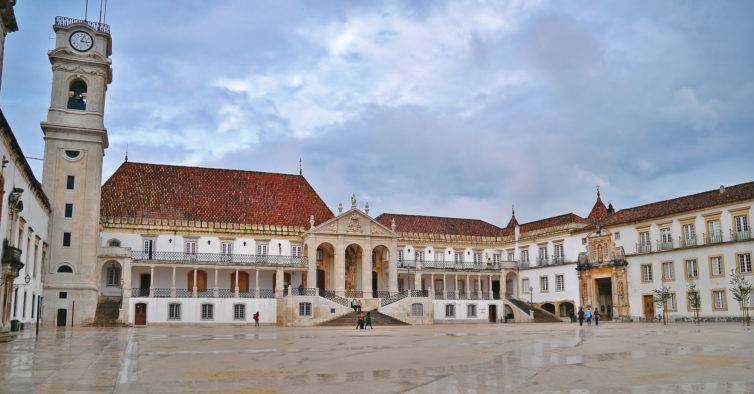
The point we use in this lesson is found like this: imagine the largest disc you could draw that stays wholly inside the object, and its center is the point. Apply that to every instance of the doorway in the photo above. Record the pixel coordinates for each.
(605, 298)
(62, 317)
(375, 275)
(140, 314)
(145, 282)
(496, 289)
(649, 307)
(493, 313)
(321, 279)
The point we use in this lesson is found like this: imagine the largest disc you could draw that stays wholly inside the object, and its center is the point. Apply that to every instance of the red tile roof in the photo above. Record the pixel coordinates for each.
(710, 198)
(212, 195)
(439, 225)
(559, 220)
(598, 212)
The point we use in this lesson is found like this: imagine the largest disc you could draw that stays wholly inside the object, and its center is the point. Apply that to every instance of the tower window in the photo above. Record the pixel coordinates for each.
(68, 211)
(65, 269)
(66, 239)
(77, 95)
(72, 153)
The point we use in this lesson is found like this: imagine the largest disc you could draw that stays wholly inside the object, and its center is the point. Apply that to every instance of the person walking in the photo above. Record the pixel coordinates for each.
(256, 319)
(368, 321)
(596, 317)
(360, 321)
(588, 316)
(581, 316)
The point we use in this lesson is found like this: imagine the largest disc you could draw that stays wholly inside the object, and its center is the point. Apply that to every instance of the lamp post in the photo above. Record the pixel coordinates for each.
(531, 295)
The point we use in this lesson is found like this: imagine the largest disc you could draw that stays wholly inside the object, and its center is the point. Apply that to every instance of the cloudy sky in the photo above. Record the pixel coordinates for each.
(428, 107)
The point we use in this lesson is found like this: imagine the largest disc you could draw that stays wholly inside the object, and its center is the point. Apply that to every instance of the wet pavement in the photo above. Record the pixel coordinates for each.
(636, 358)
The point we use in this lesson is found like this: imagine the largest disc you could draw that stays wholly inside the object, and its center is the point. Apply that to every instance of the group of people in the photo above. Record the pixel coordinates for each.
(588, 316)
(364, 320)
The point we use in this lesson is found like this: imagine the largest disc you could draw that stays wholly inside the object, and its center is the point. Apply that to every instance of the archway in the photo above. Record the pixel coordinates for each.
(353, 271)
(508, 312)
(111, 279)
(549, 307)
(325, 264)
(511, 284)
(380, 271)
(201, 280)
(566, 309)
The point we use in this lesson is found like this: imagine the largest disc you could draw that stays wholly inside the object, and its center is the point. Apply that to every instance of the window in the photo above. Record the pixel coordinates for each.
(644, 238)
(668, 273)
(744, 263)
(262, 249)
(714, 229)
(525, 255)
(666, 238)
(63, 295)
(296, 250)
(689, 233)
(646, 272)
(672, 305)
(716, 266)
(239, 311)
(742, 224)
(617, 235)
(496, 258)
(544, 284)
(77, 95)
(66, 239)
(558, 252)
(304, 308)
(190, 247)
(208, 312)
(226, 248)
(543, 253)
(113, 242)
(477, 258)
(174, 311)
(113, 276)
(692, 269)
(511, 255)
(419, 255)
(400, 254)
(525, 285)
(690, 295)
(450, 310)
(439, 256)
(68, 211)
(70, 182)
(559, 283)
(471, 310)
(719, 302)
(148, 245)
(417, 309)
(458, 257)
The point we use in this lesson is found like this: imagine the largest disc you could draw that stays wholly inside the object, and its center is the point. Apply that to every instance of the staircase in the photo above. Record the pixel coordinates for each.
(378, 319)
(107, 312)
(540, 315)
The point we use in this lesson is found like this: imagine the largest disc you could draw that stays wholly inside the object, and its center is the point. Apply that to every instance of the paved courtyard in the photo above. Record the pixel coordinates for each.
(425, 359)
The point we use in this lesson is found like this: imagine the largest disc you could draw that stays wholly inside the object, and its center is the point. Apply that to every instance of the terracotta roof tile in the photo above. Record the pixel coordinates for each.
(598, 212)
(212, 195)
(440, 225)
(553, 221)
(710, 198)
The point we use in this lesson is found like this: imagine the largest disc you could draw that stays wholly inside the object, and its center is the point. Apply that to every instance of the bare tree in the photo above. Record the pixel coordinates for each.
(661, 298)
(695, 300)
(741, 289)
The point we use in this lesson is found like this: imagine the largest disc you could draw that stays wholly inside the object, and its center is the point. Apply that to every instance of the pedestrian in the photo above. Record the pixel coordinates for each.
(354, 305)
(581, 316)
(301, 289)
(368, 321)
(360, 321)
(358, 305)
(256, 319)
(588, 316)
(596, 317)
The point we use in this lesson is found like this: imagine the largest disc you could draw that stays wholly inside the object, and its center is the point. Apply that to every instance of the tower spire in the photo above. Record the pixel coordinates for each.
(300, 167)
(598, 191)
(126, 159)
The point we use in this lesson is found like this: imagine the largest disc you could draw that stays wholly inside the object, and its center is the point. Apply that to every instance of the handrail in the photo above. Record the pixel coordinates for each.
(96, 26)
(219, 258)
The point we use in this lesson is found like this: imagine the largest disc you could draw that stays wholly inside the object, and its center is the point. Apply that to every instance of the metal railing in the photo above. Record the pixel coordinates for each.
(694, 241)
(330, 295)
(184, 293)
(66, 21)
(450, 295)
(664, 245)
(161, 292)
(354, 294)
(380, 294)
(247, 294)
(740, 235)
(419, 293)
(394, 298)
(439, 295)
(266, 293)
(473, 295)
(450, 265)
(219, 259)
(303, 291)
(226, 293)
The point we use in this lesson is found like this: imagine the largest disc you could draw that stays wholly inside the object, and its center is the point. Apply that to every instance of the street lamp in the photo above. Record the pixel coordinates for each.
(531, 295)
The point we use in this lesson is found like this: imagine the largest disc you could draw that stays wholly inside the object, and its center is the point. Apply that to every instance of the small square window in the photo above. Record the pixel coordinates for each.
(68, 211)
(70, 182)
(450, 310)
(471, 310)
(304, 308)
(66, 239)
(63, 295)
(417, 309)
(208, 312)
(239, 312)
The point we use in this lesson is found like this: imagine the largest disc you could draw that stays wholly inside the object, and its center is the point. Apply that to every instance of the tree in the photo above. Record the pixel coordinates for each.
(661, 298)
(695, 300)
(741, 289)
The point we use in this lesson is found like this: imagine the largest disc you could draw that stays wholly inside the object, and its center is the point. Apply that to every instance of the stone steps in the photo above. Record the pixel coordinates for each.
(107, 312)
(378, 319)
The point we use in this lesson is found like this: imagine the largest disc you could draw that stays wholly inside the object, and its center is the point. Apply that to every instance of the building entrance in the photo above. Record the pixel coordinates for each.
(605, 298)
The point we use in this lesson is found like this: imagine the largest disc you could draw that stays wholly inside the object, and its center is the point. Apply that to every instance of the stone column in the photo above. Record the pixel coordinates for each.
(503, 286)
(479, 287)
(256, 283)
(172, 288)
(432, 285)
(366, 273)
(194, 289)
(151, 281)
(236, 284)
(392, 275)
(489, 285)
(467, 287)
(279, 279)
(455, 284)
(444, 287)
(311, 272)
(339, 269)
(215, 291)
(417, 280)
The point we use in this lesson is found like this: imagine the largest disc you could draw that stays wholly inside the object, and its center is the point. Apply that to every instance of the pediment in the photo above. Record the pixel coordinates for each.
(353, 222)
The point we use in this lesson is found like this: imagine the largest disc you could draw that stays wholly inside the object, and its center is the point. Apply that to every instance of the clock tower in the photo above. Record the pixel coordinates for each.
(75, 142)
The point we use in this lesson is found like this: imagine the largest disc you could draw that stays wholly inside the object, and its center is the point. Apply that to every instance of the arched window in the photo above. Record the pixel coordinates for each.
(65, 269)
(114, 242)
(113, 275)
(77, 95)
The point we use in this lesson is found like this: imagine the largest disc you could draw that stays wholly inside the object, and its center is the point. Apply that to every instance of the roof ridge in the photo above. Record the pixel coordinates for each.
(684, 196)
(210, 168)
(434, 216)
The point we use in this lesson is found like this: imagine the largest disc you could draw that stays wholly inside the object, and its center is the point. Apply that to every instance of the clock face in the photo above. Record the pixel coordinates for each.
(81, 41)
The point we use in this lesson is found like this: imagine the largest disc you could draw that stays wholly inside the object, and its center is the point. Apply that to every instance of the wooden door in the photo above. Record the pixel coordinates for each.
(320, 279)
(62, 317)
(493, 313)
(140, 314)
(201, 280)
(649, 307)
(243, 281)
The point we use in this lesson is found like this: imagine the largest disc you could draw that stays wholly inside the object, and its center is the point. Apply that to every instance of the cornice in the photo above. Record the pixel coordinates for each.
(197, 227)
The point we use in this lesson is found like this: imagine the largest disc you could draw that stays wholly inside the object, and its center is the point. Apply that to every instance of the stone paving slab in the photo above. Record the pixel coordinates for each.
(557, 357)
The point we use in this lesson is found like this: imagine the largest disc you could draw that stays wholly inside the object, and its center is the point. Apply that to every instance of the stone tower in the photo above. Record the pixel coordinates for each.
(75, 142)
